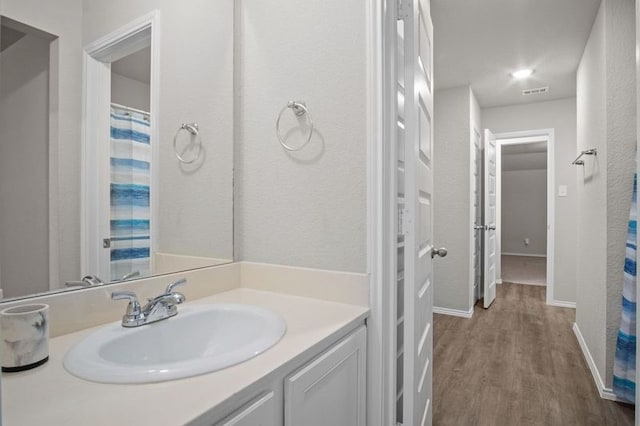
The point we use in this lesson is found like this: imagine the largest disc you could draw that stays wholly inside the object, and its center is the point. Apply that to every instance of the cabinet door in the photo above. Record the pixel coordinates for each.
(330, 390)
(260, 412)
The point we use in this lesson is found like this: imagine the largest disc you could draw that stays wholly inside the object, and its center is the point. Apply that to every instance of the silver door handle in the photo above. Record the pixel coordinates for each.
(491, 228)
(442, 252)
(478, 227)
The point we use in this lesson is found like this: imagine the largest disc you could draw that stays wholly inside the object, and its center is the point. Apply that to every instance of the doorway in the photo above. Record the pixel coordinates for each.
(525, 184)
(121, 153)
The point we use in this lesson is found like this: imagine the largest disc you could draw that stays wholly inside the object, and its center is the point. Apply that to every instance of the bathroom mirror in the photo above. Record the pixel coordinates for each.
(116, 140)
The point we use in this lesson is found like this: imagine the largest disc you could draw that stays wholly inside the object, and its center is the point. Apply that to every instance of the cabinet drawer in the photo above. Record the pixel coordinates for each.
(331, 389)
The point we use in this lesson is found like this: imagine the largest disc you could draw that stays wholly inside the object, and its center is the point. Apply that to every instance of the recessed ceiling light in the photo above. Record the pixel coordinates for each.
(523, 73)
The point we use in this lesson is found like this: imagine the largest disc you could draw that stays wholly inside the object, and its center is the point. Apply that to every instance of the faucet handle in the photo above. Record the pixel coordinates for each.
(178, 283)
(134, 305)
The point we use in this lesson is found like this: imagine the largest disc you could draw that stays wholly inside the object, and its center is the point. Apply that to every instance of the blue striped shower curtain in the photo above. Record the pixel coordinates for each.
(130, 198)
(624, 369)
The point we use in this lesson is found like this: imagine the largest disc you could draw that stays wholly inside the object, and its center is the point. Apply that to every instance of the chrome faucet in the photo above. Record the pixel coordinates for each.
(157, 308)
(87, 281)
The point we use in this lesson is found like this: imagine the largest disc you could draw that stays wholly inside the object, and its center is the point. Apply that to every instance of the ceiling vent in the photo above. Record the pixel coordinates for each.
(536, 91)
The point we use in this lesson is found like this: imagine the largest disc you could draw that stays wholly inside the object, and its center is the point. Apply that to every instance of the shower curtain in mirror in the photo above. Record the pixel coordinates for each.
(130, 185)
(624, 369)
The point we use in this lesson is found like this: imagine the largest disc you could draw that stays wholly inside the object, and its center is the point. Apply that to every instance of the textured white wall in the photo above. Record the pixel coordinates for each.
(129, 92)
(451, 196)
(57, 18)
(591, 271)
(196, 84)
(24, 167)
(561, 116)
(621, 154)
(606, 121)
(305, 208)
(524, 211)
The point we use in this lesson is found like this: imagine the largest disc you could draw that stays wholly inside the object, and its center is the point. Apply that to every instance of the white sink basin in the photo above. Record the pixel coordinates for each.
(200, 339)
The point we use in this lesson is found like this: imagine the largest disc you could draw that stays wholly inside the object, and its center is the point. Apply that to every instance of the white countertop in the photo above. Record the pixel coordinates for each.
(49, 395)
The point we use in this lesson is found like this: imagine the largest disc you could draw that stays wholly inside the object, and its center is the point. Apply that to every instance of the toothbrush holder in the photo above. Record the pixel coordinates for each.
(24, 335)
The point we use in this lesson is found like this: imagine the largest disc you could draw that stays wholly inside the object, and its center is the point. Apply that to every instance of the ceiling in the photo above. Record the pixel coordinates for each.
(480, 42)
(136, 66)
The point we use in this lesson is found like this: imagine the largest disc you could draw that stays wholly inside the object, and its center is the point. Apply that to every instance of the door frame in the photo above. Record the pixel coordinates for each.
(382, 215)
(97, 58)
(521, 137)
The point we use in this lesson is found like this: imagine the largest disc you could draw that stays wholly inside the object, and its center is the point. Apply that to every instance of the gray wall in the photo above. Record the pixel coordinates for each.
(24, 167)
(455, 112)
(524, 211)
(65, 107)
(606, 121)
(196, 85)
(129, 92)
(305, 208)
(561, 116)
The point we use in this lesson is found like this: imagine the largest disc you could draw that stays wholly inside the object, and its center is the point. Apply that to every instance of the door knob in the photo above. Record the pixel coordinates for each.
(442, 252)
(478, 227)
(491, 228)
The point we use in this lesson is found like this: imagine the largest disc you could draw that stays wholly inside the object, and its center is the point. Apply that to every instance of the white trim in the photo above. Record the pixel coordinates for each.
(498, 210)
(529, 136)
(523, 254)
(55, 280)
(499, 281)
(523, 140)
(381, 212)
(562, 304)
(605, 392)
(453, 312)
(98, 56)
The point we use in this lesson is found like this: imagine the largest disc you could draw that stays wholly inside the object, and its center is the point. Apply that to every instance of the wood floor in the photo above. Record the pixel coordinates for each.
(517, 363)
(524, 269)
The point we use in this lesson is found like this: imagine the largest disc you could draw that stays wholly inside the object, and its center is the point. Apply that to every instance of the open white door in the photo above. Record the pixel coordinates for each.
(490, 242)
(418, 227)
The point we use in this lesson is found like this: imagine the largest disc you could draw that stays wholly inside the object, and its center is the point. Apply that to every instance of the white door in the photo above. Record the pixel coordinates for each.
(417, 31)
(490, 242)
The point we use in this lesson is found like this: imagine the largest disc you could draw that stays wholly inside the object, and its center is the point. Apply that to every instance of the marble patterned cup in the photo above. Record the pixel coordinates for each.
(24, 331)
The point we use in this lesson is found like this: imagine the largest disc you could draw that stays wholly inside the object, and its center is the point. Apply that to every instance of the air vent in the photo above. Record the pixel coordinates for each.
(536, 91)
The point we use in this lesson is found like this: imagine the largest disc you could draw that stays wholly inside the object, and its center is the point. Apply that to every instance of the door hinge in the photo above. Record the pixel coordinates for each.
(403, 221)
(106, 243)
(405, 7)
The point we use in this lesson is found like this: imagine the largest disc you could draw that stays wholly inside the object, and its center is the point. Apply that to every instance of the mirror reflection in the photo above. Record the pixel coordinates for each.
(116, 141)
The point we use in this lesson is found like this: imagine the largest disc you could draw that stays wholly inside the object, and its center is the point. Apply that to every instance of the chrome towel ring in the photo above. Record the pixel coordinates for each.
(300, 110)
(192, 128)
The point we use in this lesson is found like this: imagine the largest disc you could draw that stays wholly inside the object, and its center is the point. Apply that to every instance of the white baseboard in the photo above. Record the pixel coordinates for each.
(561, 304)
(453, 312)
(605, 392)
(523, 254)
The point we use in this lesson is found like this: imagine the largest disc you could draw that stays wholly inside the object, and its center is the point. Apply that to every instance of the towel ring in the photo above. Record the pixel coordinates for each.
(192, 128)
(300, 110)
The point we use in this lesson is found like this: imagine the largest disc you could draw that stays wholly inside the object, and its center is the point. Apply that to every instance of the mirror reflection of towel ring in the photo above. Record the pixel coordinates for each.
(300, 110)
(192, 128)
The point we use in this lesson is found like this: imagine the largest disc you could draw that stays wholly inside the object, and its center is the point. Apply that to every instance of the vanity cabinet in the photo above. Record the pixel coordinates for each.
(326, 388)
(330, 390)
(260, 412)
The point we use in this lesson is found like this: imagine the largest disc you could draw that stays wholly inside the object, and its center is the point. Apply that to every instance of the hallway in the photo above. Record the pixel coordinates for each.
(517, 363)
